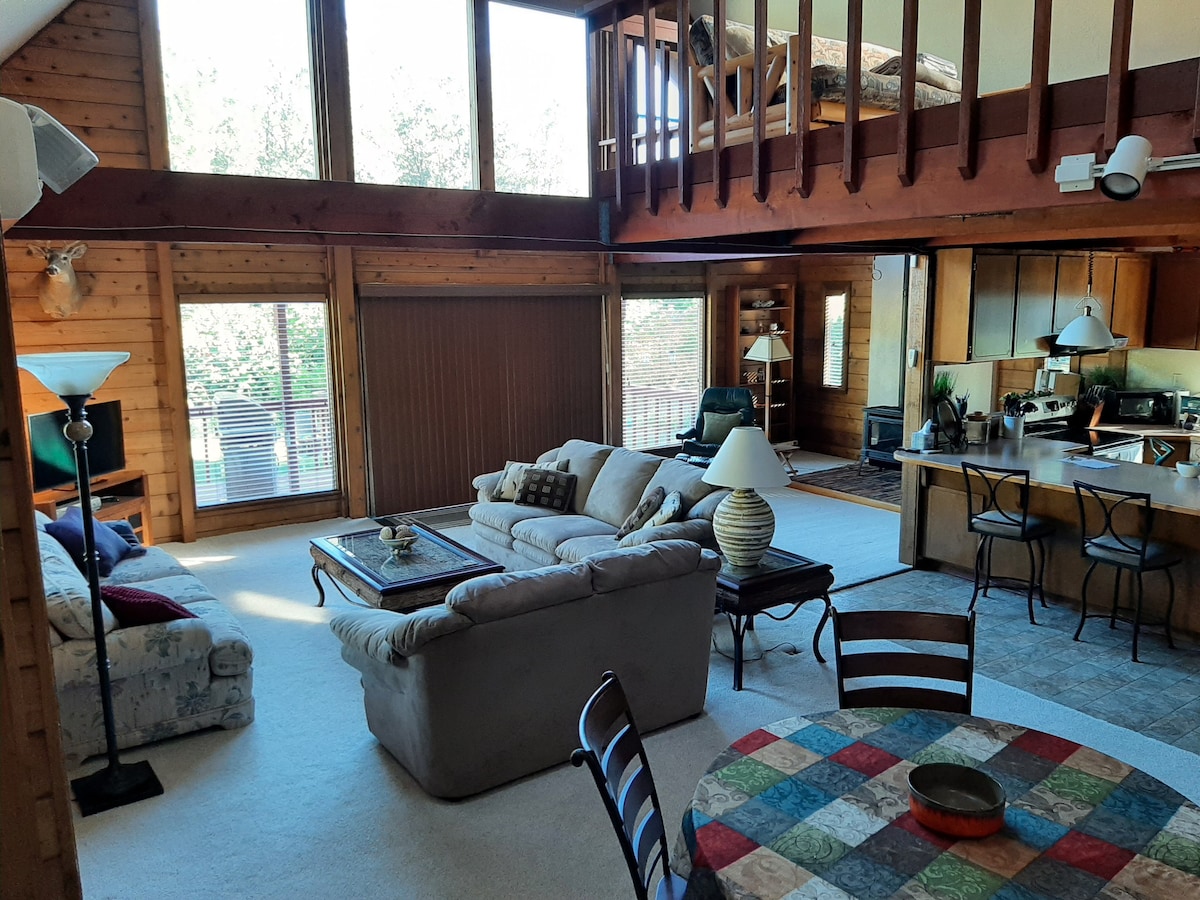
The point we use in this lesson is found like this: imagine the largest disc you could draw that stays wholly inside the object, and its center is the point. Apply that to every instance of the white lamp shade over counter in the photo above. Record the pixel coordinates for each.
(746, 460)
(72, 374)
(1086, 331)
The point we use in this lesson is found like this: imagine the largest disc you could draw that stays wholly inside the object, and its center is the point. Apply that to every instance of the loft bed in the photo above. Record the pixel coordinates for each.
(937, 82)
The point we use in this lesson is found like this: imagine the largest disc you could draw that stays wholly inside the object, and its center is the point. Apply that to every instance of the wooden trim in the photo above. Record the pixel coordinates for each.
(595, 91)
(968, 105)
(267, 295)
(329, 57)
(758, 174)
(483, 144)
(1116, 98)
(648, 36)
(347, 374)
(720, 101)
(180, 428)
(157, 139)
(684, 164)
(905, 150)
(614, 401)
(919, 336)
(799, 103)
(1196, 113)
(1037, 129)
(621, 110)
(368, 289)
(854, 36)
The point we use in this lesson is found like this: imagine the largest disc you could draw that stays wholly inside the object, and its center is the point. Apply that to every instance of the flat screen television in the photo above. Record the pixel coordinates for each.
(53, 455)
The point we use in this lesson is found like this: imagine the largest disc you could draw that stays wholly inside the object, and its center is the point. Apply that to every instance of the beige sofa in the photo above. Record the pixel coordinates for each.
(488, 686)
(168, 678)
(611, 482)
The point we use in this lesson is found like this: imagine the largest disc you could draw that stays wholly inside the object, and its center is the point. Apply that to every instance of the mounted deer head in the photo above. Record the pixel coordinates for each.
(58, 288)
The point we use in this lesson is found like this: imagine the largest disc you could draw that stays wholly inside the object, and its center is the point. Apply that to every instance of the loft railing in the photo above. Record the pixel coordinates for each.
(637, 96)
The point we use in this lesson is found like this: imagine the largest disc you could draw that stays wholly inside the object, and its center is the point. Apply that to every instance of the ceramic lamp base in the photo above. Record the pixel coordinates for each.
(743, 525)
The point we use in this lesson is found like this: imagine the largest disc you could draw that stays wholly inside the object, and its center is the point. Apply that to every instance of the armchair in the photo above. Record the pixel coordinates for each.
(717, 401)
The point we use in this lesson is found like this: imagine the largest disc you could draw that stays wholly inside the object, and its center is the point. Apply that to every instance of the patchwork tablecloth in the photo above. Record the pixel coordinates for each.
(817, 807)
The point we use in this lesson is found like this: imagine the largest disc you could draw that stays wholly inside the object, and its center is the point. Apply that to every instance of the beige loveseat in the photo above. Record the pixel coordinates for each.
(168, 678)
(488, 686)
(611, 482)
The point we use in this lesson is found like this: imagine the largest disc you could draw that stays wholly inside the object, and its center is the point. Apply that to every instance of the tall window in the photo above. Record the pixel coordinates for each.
(410, 92)
(662, 367)
(834, 339)
(539, 101)
(258, 399)
(238, 87)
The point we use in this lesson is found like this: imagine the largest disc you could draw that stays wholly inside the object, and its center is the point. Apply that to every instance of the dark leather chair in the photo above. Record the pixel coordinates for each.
(724, 400)
(613, 752)
(1100, 542)
(998, 507)
(938, 676)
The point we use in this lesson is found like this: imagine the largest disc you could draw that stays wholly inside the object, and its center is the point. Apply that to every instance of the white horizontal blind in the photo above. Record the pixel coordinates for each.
(258, 400)
(833, 357)
(662, 368)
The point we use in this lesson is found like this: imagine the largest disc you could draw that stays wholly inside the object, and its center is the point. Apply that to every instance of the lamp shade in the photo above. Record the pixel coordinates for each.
(72, 374)
(768, 348)
(746, 460)
(1086, 331)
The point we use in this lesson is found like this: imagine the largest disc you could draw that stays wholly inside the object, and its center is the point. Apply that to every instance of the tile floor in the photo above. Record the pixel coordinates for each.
(1158, 697)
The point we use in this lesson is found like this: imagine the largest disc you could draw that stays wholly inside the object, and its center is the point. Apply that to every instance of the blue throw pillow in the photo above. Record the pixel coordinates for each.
(68, 531)
(125, 530)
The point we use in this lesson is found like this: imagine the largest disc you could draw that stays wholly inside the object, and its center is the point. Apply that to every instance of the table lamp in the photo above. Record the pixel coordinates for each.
(767, 349)
(74, 377)
(743, 522)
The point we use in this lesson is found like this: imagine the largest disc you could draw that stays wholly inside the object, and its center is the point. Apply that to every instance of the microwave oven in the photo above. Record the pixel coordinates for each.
(1144, 407)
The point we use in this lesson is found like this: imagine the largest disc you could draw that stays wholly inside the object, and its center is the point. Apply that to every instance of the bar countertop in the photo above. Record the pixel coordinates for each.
(1049, 464)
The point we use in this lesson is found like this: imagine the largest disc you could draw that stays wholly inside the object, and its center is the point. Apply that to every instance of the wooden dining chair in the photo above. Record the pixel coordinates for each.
(613, 751)
(935, 674)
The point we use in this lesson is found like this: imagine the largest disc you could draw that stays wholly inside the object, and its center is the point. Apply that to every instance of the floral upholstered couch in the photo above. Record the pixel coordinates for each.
(168, 678)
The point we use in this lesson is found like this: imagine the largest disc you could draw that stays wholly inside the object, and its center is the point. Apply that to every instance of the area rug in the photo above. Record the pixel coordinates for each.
(873, 484)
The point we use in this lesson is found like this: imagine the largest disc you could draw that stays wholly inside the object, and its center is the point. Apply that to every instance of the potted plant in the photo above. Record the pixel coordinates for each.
(1015, 405)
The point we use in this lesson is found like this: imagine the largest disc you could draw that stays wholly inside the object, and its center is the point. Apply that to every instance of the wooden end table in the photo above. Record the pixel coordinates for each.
(744, 592)
(361, 563)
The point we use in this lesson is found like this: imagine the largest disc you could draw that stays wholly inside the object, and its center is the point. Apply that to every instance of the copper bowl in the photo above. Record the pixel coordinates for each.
(956, 800)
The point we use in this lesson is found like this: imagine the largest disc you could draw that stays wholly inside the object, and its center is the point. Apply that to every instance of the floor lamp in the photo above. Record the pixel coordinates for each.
(767, 349)
(74, 377)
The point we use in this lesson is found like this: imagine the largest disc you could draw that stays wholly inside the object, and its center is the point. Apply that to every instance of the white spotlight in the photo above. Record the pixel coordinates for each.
(1126, 168)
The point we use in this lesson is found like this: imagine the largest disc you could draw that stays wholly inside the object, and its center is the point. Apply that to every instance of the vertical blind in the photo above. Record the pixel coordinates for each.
(833, 360)
(258, 400)
(662, 368)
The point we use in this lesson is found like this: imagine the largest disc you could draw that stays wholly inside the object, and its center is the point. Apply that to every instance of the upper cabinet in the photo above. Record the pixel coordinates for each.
(1175, 318)
(991, 305)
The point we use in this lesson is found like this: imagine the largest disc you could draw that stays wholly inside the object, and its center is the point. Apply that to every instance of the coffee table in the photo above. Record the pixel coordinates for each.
(361, 563)
(744, 592)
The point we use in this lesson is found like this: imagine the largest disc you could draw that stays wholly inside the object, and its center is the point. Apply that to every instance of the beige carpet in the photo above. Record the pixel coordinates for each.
(304, 803)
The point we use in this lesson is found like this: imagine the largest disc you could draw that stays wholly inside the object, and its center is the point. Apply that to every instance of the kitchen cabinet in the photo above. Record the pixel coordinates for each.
(974, 305)
(1036, 280)
(1131, 299)
(1072, 287)
(755, 310)
(1175, 313)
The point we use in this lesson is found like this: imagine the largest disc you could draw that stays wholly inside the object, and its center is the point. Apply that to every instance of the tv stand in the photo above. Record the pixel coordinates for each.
(122, 495)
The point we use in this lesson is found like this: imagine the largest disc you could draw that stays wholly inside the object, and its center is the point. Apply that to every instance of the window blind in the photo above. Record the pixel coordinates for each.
(833, 360)
(662, 368)
(258, 400)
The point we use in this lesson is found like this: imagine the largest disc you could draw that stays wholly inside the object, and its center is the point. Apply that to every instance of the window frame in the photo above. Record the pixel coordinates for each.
(830, 290)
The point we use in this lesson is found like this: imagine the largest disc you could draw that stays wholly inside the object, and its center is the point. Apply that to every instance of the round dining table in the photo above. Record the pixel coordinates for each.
(816, 806)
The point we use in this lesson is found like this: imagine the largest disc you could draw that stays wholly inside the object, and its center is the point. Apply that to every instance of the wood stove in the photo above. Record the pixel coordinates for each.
(883, 432)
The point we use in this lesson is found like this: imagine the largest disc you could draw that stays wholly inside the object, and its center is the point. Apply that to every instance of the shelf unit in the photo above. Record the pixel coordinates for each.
(122, 496)
(749, 317)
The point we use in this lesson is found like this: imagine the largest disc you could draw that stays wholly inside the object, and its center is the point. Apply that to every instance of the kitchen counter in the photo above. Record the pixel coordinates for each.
(935, 525)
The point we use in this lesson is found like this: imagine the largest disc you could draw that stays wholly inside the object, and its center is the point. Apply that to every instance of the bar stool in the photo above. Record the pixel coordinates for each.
(989, 518)
(1136, 553)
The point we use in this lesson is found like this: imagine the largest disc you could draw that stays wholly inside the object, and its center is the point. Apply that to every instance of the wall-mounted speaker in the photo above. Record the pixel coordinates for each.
(62, 158)
(35, 148)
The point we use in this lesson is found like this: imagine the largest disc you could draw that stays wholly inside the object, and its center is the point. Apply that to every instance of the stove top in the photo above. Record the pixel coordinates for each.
(1088, 438)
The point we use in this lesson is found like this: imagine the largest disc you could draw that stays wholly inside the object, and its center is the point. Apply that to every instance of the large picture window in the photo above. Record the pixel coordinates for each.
(238, 87)
(258, 399)
(662, 368)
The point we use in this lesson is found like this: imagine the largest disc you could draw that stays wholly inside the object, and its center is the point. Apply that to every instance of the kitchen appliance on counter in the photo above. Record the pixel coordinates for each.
(1143, 407)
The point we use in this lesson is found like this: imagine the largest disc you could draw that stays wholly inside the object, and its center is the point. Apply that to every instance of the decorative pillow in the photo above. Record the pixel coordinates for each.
(545, 487)
(110, 546)
(68, 598)
(125, 531)
(671, 508)
(649, 506)
(134, 606)
(718, 425)
(510, 479)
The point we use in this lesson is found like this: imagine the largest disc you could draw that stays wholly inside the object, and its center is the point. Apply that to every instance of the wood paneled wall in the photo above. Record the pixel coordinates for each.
(85, 69)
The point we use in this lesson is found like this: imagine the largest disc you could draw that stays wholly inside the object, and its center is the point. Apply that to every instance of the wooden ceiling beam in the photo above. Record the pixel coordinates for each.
(141, 205)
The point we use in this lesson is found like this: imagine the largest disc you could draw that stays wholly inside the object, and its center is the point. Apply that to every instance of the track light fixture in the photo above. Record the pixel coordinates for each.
(1122, 176)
